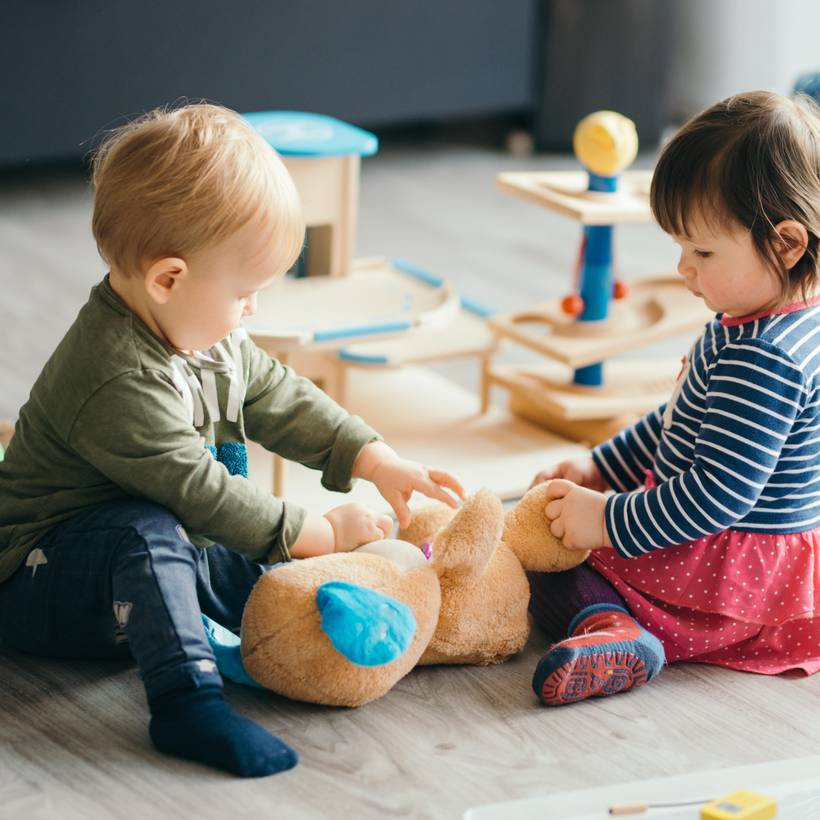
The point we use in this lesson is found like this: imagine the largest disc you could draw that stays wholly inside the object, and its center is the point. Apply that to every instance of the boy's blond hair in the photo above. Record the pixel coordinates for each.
(175, 181)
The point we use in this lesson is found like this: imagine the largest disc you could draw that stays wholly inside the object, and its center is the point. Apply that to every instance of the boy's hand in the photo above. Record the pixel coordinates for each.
(577, 516)
(354, 525)
(396, 479)
(581, 471)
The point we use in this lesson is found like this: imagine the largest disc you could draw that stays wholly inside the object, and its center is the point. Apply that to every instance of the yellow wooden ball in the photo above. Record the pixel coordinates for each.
(605, 142)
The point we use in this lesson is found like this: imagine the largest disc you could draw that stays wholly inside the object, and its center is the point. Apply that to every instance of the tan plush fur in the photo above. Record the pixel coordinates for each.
(536, 547)
(470, 601)
(285, 649)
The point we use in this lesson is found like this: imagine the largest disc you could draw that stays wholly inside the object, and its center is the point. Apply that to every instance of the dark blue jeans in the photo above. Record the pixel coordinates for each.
(123, 579)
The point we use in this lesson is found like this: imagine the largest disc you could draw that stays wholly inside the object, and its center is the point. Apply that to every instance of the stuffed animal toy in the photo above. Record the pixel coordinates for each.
(342, 629)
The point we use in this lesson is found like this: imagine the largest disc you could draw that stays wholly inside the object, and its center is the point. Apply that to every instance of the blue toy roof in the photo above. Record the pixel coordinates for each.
(302, 134)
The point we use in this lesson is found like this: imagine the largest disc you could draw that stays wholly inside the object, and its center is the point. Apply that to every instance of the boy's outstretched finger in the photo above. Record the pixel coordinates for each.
(446, 480)
(432, 490)
(399, 505)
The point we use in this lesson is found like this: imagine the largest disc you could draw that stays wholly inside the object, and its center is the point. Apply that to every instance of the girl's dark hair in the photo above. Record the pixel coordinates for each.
(751, 160)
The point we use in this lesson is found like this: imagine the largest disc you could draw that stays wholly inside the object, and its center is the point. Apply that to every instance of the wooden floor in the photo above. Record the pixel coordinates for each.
(73, 738)
(73, 742)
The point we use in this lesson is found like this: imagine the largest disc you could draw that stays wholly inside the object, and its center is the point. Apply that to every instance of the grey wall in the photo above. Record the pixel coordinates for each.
(71, 68)
(722, 47)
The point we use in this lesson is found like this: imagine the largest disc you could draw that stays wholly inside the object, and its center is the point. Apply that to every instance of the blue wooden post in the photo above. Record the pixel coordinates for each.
(596, 279)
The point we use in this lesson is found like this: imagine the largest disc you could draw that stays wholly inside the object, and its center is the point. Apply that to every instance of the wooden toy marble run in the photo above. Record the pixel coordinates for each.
(603, 317)
(336, 317)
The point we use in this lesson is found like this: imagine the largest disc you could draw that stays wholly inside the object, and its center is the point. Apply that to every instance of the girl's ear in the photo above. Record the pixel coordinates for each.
(790, 242)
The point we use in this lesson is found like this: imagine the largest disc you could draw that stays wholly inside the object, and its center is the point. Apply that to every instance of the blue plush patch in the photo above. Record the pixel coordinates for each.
(233, 454)
(225, 646)
(367, 627)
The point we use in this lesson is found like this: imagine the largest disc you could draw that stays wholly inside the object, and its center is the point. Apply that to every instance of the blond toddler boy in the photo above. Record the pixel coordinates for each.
(125, 510)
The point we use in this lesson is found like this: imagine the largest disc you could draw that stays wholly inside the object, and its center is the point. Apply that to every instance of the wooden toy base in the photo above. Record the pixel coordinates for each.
(565, 192)
(384, 314)
(630, 386)
(376, 299)
(587, 432)
(467, 335)
(657, 307)
(545, 394)
(430, 419)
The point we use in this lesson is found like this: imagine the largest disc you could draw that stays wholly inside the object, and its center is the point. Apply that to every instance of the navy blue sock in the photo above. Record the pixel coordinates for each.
(199, 725)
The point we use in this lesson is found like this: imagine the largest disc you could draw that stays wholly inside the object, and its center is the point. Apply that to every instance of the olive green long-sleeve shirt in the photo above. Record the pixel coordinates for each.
(118, 414)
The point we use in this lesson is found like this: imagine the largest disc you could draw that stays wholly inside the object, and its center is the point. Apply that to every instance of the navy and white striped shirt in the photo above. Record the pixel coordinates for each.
(736, 447)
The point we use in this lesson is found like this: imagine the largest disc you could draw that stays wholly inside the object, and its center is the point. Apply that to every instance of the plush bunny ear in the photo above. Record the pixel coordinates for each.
(426, 523)
(527, 534)
(463, 549)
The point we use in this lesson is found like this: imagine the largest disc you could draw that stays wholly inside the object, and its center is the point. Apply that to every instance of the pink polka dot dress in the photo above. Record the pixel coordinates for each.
(715, 519)
(739, 599)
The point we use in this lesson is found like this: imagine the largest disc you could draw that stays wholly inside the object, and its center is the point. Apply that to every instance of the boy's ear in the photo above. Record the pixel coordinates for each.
(791, 241)
(163, 276)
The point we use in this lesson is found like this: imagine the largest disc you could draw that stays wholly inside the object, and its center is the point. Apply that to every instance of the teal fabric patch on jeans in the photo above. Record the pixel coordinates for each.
(226, 649)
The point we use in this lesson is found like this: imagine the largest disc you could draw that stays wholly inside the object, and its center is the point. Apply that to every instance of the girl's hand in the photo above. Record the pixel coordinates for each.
(354, 525)
(581, 471)
(577, 516)
(397, 478)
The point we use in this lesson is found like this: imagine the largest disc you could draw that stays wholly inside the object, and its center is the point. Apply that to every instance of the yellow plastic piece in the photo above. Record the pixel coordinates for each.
(740, 805)
(605, 142)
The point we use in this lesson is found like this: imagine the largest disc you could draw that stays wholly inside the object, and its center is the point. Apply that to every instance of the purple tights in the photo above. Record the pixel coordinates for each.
(557, 597)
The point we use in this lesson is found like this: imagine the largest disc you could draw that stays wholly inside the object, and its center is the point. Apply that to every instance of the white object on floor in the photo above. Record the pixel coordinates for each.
(795, 784)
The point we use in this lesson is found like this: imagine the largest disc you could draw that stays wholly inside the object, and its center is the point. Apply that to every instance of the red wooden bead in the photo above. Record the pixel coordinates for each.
(572, 305)
(620, 290)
